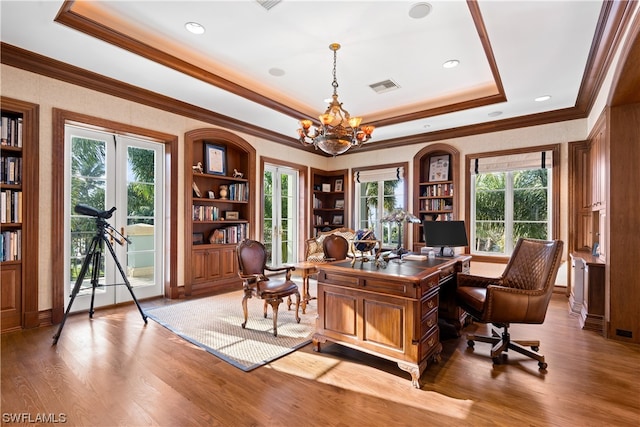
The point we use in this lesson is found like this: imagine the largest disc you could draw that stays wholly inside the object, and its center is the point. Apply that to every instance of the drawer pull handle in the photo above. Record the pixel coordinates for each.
(430, 322)
(430, 304)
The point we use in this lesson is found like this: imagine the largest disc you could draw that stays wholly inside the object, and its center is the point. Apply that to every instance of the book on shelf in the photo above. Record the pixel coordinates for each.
(206, 213)
(10, 245)
(229, 235)
(10, 170)
(10, 206)
(11, 131)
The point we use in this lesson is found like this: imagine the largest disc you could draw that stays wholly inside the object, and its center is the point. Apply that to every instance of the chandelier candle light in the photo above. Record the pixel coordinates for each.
(338, 131)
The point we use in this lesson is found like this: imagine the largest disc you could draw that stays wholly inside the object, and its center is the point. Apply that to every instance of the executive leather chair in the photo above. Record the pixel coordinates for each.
(520, 295)
(252, 258)
(336, 248)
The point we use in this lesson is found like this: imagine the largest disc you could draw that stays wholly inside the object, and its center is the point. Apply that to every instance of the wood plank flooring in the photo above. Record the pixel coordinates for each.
(115, 371)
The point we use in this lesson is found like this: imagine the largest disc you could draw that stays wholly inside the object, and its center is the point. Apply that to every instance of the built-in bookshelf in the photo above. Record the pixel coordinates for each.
(435, 181)
(328, 200)
(19, 214)
(219, 197)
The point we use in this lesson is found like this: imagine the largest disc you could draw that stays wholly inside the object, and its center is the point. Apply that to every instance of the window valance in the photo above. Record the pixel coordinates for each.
(375, 175)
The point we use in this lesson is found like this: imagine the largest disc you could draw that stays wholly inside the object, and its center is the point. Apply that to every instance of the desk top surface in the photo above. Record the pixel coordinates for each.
(406, 269)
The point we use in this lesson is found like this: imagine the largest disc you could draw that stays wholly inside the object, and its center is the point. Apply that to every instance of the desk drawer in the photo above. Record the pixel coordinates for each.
(429, 343)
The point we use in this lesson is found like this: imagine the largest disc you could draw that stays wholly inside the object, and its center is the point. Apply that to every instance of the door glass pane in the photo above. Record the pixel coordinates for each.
(88, 187)
(141, 252)
(267, 224)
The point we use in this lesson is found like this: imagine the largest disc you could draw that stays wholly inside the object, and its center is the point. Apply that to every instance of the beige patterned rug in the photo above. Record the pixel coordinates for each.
(214, 324)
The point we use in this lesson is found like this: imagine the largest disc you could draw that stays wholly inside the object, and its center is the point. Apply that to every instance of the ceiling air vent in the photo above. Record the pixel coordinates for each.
(268, 4)
(384, 86)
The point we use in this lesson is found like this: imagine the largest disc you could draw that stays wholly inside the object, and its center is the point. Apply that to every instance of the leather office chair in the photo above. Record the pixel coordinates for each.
(335, 248)
(520, 295)
(252, 258)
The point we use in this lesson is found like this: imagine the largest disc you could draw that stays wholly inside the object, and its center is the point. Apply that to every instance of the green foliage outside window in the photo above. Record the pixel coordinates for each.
(510, 205)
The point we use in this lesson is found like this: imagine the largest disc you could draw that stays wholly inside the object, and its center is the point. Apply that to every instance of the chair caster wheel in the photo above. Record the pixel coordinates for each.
(542, 366)
(497, 360)
(243, 325)
(471, 343)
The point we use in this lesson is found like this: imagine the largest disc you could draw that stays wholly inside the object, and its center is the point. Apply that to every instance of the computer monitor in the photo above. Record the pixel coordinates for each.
(444, 234)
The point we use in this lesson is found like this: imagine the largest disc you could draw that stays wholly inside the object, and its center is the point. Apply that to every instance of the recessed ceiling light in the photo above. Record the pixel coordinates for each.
(194, 27)
(452, 63)
(420, 10)
(495, 113)
(276, 72)
(543, 98)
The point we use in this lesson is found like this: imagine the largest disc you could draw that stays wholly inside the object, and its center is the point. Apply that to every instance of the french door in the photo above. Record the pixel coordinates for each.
(280, 223)
(105, 170)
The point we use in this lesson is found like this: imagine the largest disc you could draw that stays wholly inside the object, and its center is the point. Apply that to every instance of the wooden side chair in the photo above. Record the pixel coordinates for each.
(252, 258)
(520, 295)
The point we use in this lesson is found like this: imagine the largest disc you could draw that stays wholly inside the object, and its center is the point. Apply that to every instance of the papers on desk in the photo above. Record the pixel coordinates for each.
(415, 257)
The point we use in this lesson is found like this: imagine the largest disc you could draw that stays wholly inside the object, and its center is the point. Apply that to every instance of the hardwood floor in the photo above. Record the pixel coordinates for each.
(113, 370)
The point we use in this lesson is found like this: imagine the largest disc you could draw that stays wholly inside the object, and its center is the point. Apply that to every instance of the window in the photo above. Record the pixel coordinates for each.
(511, 197)
(377, 193)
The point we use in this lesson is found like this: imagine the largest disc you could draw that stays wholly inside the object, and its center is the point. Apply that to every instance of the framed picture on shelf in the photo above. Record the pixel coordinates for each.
(197, 238)
(338, 185)
(196, 190)
(339, 204)
(215, 159)
(211, 194)
(231, 215)
(326, 188)
(337, 220)
(439, 168)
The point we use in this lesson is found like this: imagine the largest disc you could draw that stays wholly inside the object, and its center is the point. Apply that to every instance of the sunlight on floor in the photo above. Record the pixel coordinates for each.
(339, 373)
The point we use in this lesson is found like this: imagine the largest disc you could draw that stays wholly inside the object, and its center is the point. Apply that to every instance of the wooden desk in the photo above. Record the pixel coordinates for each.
(389, 312)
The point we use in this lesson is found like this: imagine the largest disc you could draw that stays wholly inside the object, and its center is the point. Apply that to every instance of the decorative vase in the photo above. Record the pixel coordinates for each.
(222, 192)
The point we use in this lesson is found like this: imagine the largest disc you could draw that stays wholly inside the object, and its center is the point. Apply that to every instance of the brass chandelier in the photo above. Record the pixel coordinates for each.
(338, 131)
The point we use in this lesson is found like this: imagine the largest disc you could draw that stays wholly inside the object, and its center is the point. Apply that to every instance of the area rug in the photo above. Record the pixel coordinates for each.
(214, 324)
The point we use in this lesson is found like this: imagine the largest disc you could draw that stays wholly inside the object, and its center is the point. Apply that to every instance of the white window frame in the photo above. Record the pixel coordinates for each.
(510, 162)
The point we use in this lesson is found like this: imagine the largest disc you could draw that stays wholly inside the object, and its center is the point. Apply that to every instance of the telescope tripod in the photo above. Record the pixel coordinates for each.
(93, 258)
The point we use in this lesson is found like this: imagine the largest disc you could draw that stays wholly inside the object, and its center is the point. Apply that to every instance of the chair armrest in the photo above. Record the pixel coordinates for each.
(251, 278)
(286, 268)
(464, 279)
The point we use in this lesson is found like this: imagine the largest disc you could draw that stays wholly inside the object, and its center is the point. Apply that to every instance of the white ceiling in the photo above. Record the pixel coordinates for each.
(538, 48)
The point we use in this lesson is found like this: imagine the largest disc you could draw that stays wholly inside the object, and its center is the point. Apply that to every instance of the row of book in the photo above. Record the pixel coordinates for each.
(239, 192)
(436, 205)
(10, 206)
(438, 217)
(10, 245)
(232, 234)
(10, 170)
(206, 213)
(438, 190)
(11, 131)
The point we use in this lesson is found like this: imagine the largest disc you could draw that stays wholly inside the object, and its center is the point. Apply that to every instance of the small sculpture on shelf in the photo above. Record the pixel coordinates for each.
(197, 168)
(237, 174)
(223, 191)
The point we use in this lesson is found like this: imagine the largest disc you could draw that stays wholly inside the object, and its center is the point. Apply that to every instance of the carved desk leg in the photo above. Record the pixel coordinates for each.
(415, 371)
(317, 340)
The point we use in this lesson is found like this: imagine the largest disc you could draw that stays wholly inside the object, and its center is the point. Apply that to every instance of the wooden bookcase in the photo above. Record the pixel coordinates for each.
(19, 168)
(328, 200)
(215, 225)
(436, 187)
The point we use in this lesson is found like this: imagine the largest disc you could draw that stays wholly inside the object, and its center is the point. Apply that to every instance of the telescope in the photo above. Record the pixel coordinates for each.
(91, 211)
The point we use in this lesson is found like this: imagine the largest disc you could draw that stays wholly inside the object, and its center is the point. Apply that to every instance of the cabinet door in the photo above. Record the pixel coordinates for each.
(199, 266)
(228, 262)
(10, 281)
